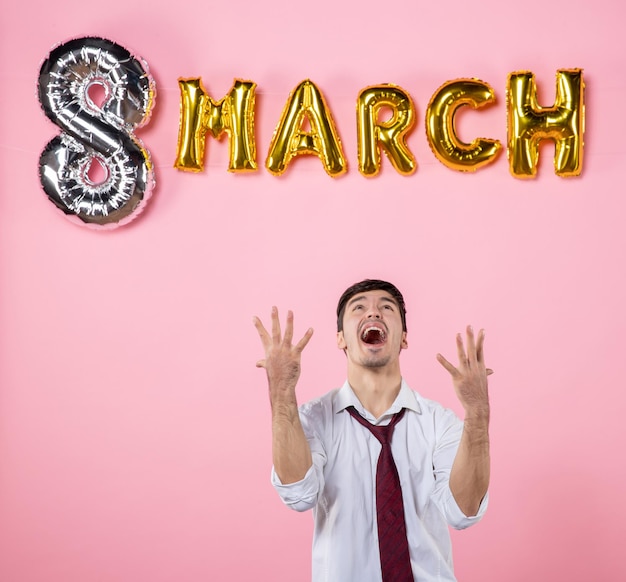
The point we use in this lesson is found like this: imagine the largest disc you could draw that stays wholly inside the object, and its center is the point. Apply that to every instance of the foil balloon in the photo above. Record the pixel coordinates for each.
(389, 134)
(441, 128)
(233, 115)
(529, 123)
(306, 103)
(96, 132)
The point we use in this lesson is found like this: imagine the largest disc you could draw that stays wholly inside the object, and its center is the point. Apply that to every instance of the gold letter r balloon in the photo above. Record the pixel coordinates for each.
(390, 134)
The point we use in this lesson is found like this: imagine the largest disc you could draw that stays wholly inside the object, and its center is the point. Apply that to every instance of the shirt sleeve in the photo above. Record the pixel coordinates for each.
(304, 494)
(456, 518)
(449, 431)
(301, 495)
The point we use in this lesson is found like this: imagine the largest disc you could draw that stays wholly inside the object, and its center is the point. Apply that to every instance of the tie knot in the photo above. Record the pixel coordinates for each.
(382, 432)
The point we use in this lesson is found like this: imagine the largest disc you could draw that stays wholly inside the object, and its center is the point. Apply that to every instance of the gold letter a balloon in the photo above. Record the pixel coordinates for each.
(306, 103)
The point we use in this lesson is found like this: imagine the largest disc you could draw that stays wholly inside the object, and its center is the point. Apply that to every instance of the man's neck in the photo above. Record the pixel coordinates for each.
(376, 388)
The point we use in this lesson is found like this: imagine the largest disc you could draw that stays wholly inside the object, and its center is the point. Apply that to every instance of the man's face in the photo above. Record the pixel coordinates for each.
(372, 334)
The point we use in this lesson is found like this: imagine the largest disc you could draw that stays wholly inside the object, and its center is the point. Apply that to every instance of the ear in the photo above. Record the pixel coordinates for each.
(341, 342)
(404, 344)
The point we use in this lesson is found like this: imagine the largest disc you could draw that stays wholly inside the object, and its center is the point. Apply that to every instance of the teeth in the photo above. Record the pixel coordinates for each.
(375, 328)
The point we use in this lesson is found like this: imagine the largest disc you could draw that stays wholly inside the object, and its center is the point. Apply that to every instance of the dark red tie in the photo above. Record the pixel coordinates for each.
(395, 562)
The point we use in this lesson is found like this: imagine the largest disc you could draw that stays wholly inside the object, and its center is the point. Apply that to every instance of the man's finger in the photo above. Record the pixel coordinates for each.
(489, 371)
(447, 365)
(260, 364)
(479, 346)
(471, 345)
(288, 329)
(265, 338)
(304, 341)
(461, 350)
(275, 325)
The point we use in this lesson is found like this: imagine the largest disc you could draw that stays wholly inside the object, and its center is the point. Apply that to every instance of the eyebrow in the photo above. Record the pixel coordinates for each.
(383, 298)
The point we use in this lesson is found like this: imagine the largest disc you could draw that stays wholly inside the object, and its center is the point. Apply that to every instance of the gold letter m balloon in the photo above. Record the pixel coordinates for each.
(233, 115)
(528, 123)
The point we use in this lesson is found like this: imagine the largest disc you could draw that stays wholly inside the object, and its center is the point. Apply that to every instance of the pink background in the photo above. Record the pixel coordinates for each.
(134, 427)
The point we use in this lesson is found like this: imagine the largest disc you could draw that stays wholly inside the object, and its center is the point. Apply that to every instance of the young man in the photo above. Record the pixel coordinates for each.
(385, 470)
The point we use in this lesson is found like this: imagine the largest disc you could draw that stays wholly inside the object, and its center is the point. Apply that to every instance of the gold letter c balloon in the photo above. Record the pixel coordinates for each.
(441, 130)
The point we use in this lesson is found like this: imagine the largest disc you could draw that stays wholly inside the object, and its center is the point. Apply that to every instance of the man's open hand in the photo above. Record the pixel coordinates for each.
(282, 358)
(470, 376)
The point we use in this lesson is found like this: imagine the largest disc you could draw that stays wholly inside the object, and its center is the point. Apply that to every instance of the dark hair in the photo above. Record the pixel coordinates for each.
(370, 285)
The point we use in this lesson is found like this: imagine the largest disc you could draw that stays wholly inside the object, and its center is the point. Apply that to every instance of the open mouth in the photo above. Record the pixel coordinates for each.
(373, 335)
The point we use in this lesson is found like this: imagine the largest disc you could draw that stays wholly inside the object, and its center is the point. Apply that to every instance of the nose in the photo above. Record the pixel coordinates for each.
(373, 313)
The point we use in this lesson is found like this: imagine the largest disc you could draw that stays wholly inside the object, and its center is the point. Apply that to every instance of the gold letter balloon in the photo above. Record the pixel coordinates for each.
(390, 134)
(529, 123)
(306, 103)
(232, 115)
(441, 129)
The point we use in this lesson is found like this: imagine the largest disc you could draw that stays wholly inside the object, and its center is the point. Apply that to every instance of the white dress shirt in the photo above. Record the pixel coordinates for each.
(340, 486)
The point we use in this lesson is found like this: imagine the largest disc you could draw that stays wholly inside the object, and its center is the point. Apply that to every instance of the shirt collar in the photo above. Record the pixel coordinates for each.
(346, 397)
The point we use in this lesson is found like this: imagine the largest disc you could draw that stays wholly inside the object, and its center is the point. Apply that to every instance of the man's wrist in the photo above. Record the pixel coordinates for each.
(477, 416)
(284, 406)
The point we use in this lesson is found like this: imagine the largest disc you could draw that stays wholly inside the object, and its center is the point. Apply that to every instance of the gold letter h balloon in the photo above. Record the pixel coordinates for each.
(528, 123)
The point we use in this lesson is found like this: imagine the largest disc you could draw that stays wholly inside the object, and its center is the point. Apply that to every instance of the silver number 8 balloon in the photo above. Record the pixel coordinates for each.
(96, 132)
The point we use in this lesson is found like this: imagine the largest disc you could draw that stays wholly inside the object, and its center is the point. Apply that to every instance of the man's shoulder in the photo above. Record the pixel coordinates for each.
(317, 415)
(432, 408)
(320, 404)
(427, 403)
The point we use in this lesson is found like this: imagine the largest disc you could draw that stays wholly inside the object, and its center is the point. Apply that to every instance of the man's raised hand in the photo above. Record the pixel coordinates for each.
(282, 358)
(470, 376)
(290, 449)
